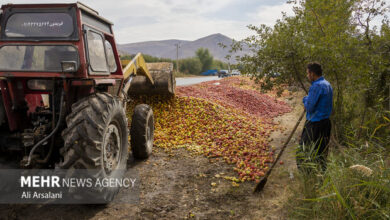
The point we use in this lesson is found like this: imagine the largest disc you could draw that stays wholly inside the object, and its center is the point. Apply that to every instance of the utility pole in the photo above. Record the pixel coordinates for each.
(177, 56)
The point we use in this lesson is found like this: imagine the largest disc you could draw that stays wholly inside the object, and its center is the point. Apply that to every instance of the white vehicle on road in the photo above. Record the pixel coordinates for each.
(236, 72)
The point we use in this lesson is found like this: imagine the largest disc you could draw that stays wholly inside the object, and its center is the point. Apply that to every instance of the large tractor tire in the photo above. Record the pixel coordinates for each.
(142, 131)
(96, 139)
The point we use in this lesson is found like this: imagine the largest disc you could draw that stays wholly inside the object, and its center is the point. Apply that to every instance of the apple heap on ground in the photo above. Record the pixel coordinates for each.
(224, 121)
(239, 93)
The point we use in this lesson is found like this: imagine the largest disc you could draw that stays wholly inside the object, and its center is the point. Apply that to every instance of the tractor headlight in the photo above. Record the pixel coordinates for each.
(40, 84)
(68, 66)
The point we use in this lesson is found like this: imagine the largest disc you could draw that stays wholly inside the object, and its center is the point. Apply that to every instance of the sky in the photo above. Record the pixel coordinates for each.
(150, 20)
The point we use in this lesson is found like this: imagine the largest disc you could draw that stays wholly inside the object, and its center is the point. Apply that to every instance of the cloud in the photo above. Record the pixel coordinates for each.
(188, 28)
(269, 14)
(147, 20)
(194, 19)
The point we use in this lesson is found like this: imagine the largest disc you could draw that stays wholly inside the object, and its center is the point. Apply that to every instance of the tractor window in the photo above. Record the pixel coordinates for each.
(96, 52)
(110, 57)
(39, 25)
(36, 57)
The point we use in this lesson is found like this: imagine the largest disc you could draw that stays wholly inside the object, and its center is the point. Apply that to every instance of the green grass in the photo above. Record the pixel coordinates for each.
(342, 192)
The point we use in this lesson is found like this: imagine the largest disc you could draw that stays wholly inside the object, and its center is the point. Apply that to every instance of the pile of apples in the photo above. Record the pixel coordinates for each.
(240, 93)
(218, 124)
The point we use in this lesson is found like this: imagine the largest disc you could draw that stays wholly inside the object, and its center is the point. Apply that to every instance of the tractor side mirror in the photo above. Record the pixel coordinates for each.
(68, 66)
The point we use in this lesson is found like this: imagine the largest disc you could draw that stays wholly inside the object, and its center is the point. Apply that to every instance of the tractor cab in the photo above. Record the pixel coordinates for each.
(33, 42)
(51, 56)
(45, 48)
(70, 40)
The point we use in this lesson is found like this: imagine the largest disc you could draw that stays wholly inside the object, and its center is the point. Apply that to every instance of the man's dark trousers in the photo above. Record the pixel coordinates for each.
(314, 144)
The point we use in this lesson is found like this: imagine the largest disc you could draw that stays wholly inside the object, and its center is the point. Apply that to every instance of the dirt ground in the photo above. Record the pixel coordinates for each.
(179, 185)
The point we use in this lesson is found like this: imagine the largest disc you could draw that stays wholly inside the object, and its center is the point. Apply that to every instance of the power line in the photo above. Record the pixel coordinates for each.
(177, 56)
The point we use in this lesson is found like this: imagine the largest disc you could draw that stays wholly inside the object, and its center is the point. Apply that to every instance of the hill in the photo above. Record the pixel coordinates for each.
(167, 48)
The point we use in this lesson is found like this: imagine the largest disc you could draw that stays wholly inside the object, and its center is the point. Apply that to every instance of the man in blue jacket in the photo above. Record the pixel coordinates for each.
(316, 133)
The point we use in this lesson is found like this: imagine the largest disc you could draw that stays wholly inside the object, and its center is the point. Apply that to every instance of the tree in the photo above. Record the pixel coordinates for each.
(190, 66)
(205, 58)
(338, 34)
(217, 64)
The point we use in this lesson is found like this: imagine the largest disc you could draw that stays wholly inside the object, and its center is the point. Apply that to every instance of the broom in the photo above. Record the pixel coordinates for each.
(263, 181)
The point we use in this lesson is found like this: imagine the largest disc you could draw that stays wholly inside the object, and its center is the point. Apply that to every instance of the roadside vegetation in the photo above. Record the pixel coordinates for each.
(351, 39)
(200, 62)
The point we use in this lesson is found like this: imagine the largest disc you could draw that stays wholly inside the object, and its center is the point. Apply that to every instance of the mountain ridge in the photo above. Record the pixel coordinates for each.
(167, 48)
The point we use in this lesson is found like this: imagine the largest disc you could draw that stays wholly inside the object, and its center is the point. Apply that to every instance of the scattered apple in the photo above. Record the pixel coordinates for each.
(229, 122)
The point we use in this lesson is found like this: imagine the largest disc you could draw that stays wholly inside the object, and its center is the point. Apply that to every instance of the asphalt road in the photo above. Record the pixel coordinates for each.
(186, 81)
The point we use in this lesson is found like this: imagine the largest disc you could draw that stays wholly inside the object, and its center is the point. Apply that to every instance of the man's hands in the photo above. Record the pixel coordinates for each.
(304, 99)
(304, 102)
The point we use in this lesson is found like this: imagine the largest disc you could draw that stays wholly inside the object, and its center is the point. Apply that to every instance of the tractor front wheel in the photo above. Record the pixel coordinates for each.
(96, 140)
(142, 131)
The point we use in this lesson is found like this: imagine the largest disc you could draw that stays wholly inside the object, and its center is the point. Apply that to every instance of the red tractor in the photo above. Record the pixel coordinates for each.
(63, 91)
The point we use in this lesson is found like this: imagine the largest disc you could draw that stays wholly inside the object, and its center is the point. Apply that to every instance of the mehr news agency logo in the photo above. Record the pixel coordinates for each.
(50, 182)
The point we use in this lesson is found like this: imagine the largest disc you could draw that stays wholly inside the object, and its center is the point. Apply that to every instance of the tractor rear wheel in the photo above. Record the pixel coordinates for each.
(96, 139)
(142, 131)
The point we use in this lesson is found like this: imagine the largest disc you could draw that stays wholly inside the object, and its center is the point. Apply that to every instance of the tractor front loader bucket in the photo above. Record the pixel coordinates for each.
(149, 78)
